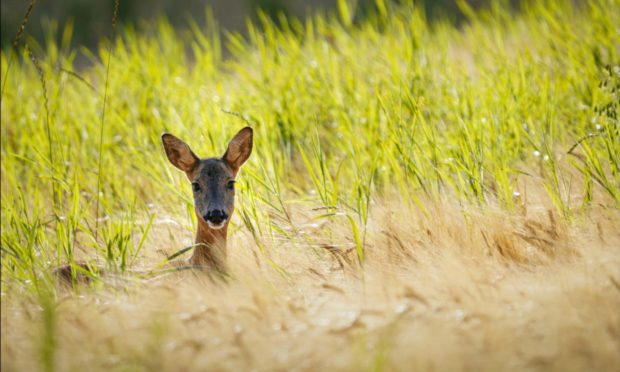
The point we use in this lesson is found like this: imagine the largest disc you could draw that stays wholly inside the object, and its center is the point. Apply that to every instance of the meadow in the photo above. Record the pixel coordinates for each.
(421, 195)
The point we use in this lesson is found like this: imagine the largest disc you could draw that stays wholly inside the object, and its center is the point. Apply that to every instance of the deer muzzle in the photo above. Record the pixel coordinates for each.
(216, 218)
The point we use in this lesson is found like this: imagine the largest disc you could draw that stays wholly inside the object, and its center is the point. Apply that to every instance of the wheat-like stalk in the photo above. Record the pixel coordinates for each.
(103, 108)
(15, 44)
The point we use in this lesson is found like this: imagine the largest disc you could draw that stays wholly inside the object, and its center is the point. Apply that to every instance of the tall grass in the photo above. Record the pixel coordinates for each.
(15, 45)
(347, 113)
(103, 109)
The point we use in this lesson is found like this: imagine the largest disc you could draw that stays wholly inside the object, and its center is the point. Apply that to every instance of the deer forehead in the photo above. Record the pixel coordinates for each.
(212, 170)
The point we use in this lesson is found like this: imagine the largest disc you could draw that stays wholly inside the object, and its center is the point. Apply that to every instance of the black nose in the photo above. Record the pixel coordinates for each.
(216, 216)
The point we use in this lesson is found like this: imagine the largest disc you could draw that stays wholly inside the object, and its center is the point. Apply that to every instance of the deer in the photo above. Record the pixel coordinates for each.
(213, 187)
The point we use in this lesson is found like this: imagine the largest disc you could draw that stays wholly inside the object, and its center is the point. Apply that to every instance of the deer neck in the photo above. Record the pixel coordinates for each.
(210, 251)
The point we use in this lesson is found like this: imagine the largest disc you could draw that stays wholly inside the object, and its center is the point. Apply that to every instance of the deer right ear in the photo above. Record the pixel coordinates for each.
(179, 153)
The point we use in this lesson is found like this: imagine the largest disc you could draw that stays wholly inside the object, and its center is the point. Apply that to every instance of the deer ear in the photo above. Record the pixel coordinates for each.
(239, 149)
(179, 153)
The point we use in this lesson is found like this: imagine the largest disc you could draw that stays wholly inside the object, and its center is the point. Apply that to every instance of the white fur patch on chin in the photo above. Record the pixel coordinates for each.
(213, 226)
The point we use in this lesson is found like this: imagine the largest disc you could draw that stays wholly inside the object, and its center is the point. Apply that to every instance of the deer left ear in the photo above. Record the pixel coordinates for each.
(239, 149)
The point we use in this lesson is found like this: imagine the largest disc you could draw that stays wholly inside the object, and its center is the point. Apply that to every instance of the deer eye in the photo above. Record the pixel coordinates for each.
(195, 186)
(230, 185)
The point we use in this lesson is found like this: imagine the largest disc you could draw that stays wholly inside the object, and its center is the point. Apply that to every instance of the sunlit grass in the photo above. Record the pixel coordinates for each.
(347, 114)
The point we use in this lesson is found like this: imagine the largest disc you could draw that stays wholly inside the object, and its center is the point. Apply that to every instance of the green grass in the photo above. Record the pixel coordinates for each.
(346, 114)
(343, 112)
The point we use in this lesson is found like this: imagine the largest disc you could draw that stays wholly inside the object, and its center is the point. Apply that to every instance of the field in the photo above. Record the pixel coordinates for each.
(421, 196)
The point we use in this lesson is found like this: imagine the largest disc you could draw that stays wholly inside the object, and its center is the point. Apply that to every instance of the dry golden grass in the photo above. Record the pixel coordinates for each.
(450, 289)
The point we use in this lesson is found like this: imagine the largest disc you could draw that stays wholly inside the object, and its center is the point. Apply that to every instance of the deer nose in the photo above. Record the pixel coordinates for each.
(216, 216)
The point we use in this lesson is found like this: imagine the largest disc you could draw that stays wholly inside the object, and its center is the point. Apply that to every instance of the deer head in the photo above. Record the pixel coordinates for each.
(213, 185)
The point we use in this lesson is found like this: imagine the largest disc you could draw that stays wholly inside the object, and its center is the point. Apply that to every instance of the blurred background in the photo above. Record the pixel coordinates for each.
(92, 19)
